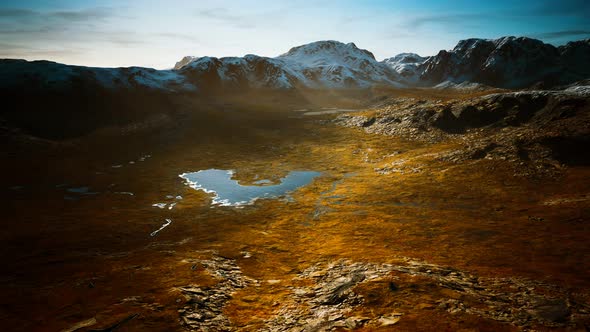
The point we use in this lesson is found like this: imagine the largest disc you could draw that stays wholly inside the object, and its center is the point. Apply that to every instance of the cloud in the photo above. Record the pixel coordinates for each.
(462, 21)
(98, 13)
(447, 19)
(178, 36)
(221, 14)
(579, 8)
(561, 34)
(269, 17)
(120, 40)
(21, 31)
(29, 16)
(572, 8)
(5, 46)
(11, 50)
(16, 13)
(224, 15)
(65, 26)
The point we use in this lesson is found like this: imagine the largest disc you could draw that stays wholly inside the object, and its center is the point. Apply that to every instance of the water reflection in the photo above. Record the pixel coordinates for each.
(228, 192)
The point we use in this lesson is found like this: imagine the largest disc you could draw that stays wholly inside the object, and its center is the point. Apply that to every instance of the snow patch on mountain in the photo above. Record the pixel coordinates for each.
(406, 65)
(508, 62)
(251, 70)
(337, 65)
(52, 75)
(464, 86)
(322, 64)
(184, 61)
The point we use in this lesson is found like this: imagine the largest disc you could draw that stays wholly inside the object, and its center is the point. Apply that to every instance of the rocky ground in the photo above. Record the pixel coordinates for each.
(416, 224)
(328, 296)
(538, 131)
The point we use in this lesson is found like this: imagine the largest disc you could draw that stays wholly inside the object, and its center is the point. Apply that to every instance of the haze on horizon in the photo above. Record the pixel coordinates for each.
(155, 34)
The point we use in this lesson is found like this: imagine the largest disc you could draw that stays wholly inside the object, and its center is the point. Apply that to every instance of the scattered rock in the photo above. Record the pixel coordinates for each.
(355, 321)
(204, 307)
(327, 300)
(390, 320)
(536, 219)
(80, 325)
(537, 132)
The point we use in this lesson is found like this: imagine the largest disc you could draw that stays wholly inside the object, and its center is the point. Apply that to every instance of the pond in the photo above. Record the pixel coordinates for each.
(228, 192)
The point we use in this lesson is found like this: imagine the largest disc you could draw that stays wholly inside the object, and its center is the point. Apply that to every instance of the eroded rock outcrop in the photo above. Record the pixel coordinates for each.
(203, 310)
(540, 131)
(326, 296)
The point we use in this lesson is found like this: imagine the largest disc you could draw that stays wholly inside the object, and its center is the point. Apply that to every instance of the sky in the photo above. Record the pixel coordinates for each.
(156, 34)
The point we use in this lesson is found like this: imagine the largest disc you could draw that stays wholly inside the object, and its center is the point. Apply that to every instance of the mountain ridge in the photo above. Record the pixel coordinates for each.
(321, 64)
(507, 62)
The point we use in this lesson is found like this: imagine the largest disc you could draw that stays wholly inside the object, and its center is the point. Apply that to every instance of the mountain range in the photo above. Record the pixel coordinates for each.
(508, 62)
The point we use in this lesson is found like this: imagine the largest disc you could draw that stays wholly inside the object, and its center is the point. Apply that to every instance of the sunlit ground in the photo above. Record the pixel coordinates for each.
(69, 256)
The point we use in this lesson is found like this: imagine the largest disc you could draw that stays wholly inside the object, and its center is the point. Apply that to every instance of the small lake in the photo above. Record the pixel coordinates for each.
(228, 192)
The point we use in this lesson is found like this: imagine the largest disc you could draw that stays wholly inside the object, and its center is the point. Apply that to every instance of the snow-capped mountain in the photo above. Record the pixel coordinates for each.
(184, 61)
(406, 65)
(250, 71)
(508, 62)
(56, 76)
(334, 64)
(322, 64)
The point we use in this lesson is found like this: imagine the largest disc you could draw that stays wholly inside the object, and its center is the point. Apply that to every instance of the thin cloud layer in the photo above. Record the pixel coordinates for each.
(562, 34)
(65, 16)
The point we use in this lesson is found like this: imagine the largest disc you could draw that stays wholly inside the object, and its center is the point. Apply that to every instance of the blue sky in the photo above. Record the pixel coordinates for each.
(158, 33)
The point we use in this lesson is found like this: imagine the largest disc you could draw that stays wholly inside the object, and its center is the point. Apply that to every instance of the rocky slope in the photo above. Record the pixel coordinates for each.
(407, 65)
(540, 132)
(51, 100)
(508, 62)
(47, 75)
(184, 61)
(82, 99)
(325, 297)
(323, 64)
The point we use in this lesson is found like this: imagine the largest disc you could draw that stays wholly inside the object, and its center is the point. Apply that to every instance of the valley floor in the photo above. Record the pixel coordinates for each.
(390, 236)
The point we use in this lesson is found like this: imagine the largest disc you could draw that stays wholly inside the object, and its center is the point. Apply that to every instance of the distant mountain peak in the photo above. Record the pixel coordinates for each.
(327, 47)
(507, 62)
(406, 65)
(320, 64)
(184, 61)
(405, 58)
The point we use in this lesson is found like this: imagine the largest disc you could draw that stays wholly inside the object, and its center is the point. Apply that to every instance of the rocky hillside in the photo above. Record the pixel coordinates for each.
(55, 100)
(51, 100)
(323, 64)
(407, 65)
(47, 75)
(538, 131)
(508, 62)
